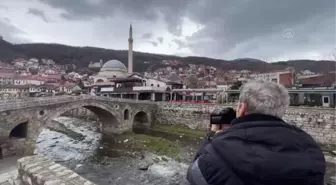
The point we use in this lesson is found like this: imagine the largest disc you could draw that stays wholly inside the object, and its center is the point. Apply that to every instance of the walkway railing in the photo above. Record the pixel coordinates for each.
(42, 101)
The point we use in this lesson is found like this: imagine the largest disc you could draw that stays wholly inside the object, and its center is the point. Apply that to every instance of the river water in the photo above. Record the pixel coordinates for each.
(157, 157)
(120, 159)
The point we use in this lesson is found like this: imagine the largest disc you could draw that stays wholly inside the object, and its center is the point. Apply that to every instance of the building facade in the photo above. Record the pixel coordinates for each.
(285, 78)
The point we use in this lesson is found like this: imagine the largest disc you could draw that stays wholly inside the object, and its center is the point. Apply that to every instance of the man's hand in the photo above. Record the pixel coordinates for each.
(218, 127)
(215, 127)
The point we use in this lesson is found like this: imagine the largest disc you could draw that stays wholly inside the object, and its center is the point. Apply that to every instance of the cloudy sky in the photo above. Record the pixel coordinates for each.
(226, 29)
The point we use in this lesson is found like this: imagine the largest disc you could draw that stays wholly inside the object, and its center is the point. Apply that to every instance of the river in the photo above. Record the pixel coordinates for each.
(161, 156)
(157, 157)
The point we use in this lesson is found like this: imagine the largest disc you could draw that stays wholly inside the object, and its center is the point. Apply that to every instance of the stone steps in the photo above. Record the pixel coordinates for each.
(9, 178)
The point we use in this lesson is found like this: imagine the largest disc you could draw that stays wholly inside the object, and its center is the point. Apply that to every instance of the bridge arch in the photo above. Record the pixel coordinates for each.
(19, 131)
(37, 113)
(107, 115)
(126, 114)
(13, 140)
(141, 122)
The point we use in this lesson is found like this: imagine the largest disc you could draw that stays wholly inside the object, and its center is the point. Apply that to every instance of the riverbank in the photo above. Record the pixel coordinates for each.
(160, 155)
(175, 141)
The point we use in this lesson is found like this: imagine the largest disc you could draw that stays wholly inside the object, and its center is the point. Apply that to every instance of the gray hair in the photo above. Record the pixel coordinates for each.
(265, 97)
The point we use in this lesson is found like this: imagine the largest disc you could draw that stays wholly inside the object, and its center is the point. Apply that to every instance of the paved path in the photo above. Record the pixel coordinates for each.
(8, 171)
(8, 164)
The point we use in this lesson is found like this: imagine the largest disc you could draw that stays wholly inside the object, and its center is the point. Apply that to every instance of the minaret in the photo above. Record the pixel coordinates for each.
(130, 50)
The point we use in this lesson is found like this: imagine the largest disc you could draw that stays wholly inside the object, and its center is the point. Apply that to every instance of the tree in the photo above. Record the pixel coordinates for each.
(236, 85)
(191, 81)
(81, 84)
(221, 97)
(33, 70)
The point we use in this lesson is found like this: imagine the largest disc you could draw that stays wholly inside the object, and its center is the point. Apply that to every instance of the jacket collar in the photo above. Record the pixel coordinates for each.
(255, 117)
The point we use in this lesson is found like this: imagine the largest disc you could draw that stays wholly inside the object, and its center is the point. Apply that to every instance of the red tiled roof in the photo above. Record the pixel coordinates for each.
(20, 60)
(327, 79)
(7, 75)
(30, 77)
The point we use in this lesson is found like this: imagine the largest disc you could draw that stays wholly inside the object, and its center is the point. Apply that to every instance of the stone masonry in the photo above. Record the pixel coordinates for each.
(81, 113)
(38, 170)
(318, 122)
(38, 112)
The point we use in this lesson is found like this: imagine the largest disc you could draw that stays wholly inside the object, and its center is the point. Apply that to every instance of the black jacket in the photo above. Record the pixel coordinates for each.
(259, 150)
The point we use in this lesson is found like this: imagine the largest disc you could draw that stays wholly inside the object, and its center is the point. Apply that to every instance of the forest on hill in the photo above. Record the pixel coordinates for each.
(81, 57)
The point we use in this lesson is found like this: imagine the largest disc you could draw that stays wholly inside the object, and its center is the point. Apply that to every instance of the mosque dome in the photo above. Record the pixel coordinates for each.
(114, 64)
(113, 69)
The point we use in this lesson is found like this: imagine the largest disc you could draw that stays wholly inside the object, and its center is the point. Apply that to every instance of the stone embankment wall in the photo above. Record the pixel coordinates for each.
(81, 113)
(37, 170)
(318, 122)
(13, 147)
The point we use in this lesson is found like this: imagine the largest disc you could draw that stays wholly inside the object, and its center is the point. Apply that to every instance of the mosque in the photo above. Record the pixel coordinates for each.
(114, 69)
(116, 80)
(111, 70)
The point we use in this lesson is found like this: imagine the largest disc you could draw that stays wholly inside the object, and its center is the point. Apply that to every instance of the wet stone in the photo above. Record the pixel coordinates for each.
(143, 166)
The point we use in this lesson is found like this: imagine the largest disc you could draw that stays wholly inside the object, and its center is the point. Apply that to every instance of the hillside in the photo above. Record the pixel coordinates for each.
(81, 57)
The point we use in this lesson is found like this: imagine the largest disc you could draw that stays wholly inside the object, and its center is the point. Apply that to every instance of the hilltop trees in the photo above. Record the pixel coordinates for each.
(236, 85)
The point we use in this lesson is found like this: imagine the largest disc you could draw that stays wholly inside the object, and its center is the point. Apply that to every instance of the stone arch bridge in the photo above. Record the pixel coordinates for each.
(25, 119)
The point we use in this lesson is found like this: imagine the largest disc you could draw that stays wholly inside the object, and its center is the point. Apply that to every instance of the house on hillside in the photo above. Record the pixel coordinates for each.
(69, 88)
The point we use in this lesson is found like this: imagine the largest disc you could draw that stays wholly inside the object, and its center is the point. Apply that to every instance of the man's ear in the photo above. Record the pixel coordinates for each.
(241, 109)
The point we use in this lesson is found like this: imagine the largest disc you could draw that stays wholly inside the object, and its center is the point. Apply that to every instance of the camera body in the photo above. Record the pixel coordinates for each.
(222, 116)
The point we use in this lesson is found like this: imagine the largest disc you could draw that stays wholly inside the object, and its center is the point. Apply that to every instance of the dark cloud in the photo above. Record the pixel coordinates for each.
(230, 28)
(149, 10)
(155, 44)
(11, 33)
(38, 13)
(235, 28)
(3, 7)
(146, 36)
(6, 19)
(160, 40)
(180, 44)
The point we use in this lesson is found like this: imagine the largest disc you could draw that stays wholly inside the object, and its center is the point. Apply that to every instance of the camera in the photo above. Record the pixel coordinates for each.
(222, 116)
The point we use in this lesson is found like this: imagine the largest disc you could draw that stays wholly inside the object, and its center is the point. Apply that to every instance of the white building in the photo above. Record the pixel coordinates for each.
(112, 69)
(69, 88)
(34, 60)
(223, 87)
(27, 81)
(281, 77)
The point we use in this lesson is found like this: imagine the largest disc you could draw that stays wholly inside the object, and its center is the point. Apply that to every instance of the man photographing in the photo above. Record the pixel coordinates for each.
(258, 148)
(220, 119)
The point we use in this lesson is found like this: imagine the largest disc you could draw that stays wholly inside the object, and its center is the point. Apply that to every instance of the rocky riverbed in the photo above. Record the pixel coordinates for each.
(74, 139)
(159, 156)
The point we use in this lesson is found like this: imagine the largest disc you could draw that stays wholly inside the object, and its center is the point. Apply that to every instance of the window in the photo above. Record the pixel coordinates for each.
(126, 114)
(325, 99)
(158, 85)
(152, 85)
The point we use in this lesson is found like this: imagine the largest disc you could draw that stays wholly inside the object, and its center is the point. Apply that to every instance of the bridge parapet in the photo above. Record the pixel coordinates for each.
(35, 102)
(26, 118)
(38, 170)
